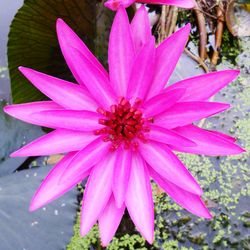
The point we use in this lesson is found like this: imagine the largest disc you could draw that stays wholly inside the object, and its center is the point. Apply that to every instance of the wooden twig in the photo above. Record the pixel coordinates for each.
(167, 22)
(208, 14)
(161, 23)
(218, 35)
(197, 59)
(202, 31)
(173, 21)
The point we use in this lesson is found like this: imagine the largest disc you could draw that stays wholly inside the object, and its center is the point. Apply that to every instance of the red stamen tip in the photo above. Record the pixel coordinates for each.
(124, 123)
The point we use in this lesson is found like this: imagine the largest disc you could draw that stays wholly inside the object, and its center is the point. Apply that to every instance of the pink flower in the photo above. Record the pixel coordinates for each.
(114, 4)
(120, 129)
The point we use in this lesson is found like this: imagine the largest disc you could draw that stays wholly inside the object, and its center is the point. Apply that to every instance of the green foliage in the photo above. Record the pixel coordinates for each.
(33, 42)
(77, 242)
(230, 46)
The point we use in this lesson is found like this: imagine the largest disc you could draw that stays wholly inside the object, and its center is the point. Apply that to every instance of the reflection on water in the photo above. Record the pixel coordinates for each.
(7, 11)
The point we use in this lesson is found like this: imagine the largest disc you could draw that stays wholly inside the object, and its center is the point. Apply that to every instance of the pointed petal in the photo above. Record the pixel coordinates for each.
(167, 56)
(23, 111)
(109, 221)
(56, 142)
(121, 173)
(206, 142)
(162, 102)
(184, 113)
(168, 136)
(120, 52)
(69, 119)
(115, 4)
(192, 202)
(141, 77)
(96, 82)
(224, 136)
(66, 94)
(140, 28)
(139, 199)
(188, 4)
(85, 159)
(202, 87)
(50, 190)
(165, 163)
(97, 193)
(66, 37)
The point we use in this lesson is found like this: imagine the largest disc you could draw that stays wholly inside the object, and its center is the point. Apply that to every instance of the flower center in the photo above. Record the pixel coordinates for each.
(124, 123)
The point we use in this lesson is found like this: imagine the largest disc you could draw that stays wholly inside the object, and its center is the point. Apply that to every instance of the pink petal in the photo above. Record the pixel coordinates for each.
(139, 199)
(109, 221)
(66, 37)
(224, 136)
(56, 142)
(188, 4)
(23, 111)
(168, 136)
(192, 202)
(121, 173)
(97, 193)
(184, 113)
(66, 94)
(69, 119)
(167, 56)
(85, 159)
(50, 189)
(165, 163)
(121, 52)
(206, 142)
(115, 4)
(201, 88)
(140, 28)
(162, 102)
(142, 71)
(96, 82)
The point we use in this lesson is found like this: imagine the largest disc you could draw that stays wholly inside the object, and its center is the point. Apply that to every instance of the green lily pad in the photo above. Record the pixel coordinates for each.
(33, 42)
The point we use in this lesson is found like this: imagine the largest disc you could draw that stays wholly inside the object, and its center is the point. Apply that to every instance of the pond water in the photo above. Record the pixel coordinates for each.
(225, 180)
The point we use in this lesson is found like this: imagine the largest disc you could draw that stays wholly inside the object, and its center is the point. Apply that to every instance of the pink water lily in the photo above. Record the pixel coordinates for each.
(120, 129)
(114, 4)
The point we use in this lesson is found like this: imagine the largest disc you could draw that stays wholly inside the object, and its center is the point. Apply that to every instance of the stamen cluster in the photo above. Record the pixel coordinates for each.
(123, 124)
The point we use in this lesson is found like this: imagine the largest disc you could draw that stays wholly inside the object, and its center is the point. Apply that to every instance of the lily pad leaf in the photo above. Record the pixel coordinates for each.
(48, 228)
(33, 41)
(13, 134)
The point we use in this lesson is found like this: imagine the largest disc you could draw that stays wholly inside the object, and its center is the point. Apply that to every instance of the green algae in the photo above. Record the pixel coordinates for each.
(225, 181)
(83, 243)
